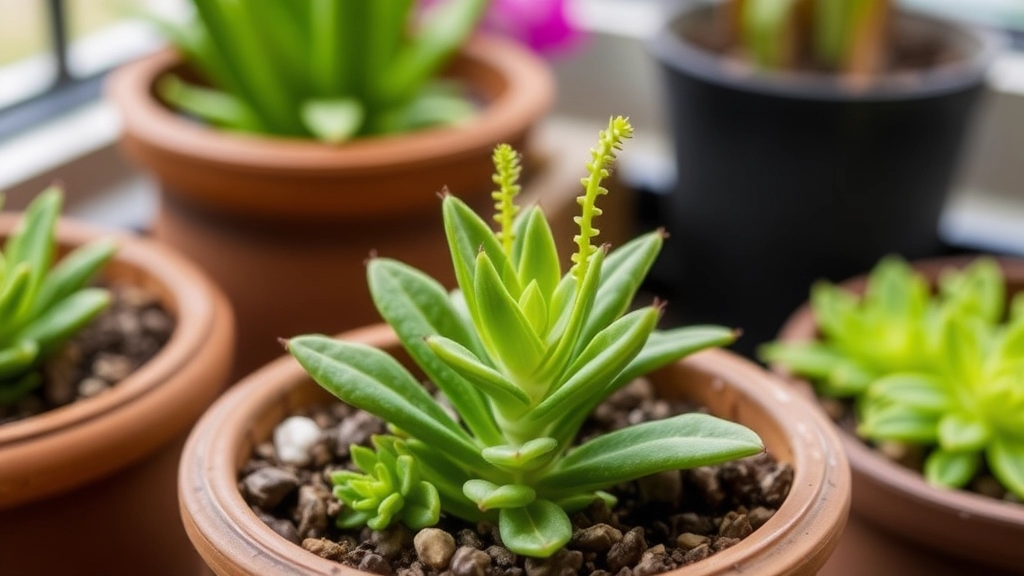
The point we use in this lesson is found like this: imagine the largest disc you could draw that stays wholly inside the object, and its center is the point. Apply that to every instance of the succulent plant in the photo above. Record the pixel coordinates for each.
(327, 69)
(944, 371)
(42, 305)
(523, 354)
(390, 489)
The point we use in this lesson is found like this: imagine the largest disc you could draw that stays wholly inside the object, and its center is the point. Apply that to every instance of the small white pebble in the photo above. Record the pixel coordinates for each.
(293, 439)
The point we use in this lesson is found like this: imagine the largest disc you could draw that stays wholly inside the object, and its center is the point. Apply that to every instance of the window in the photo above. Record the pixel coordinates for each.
(53, 53)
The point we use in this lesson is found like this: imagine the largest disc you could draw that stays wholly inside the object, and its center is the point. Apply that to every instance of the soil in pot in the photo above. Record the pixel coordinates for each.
(660, 523)
(117, 342)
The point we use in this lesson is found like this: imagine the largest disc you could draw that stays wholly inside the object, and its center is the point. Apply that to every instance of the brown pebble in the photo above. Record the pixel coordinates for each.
(91, 387)
(469, 561)
(735, 526)
(434, 547)
(324, 548)
(597, 538)
(467, 537)
(628, 551)
(501, 556)
(697, 554)
(112, 367)
(565, 562)
(758, 515)
(664, 487)
(653, 563)
(689, 540)
(311, 512)
(391, 541)
(723, 543)
(775, 486)
(268, 486)
(375, 563)
(705, 480)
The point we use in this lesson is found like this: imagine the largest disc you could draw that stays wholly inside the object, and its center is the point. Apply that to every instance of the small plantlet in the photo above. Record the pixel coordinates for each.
(326, 69)
(942, 371)
(390, 490)
(42, 305)
(523, 353)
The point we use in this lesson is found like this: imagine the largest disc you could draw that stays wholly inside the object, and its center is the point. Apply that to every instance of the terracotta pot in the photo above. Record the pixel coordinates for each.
(284, 225)
(899, 524)
(89, 488)
(797, 540)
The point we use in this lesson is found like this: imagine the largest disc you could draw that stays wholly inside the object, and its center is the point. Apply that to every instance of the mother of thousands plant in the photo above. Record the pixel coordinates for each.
(523, 354)
(42, 305)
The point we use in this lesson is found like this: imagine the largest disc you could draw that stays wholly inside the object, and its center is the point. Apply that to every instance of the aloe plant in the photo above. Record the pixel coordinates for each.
(327, 69)
(944, 371)
(42, 305)
(838, 35)
(523, 353)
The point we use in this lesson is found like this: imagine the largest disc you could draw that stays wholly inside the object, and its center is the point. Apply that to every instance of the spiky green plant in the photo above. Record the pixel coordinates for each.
(42, 305)
(524, 353)
(327, 69)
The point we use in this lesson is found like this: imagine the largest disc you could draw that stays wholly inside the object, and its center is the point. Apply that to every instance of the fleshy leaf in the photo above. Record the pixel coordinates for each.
(537, 530)
(417, 306)
(1006, 459)
(961, 433)
(684, 441)
(528, 456)
(371, 380)
(490, 496)
(951, 469)
(333, 120)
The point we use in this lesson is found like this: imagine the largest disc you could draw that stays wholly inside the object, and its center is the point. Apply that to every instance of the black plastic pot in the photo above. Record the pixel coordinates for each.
(786, 178)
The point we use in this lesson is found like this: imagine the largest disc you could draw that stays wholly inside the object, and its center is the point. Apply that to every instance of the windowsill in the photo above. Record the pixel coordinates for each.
(985, 213)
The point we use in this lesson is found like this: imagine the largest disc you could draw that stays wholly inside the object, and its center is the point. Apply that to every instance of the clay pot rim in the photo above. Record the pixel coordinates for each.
(819, 498)
(865, 461)
(208, 318)
(529, 93)
(677, 53)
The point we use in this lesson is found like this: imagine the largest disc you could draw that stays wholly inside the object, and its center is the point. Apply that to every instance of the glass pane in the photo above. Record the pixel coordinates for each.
(105, 33)
(27, 66)
(24, 30)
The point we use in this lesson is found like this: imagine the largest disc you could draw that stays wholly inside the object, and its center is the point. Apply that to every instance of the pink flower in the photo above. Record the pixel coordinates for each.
(544, 25)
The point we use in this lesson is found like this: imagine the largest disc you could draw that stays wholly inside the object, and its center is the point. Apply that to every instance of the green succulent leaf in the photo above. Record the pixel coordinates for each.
(422, 506)
(1006, 459)
(505, 394)
(73, 272)
(506, 329)
(951, 469)
(490, 496)
(810, 359)
(529, 456)
(537, 530)
(606, 356)
(64, 319)
(666, 346)
(921, 393)
(979, 290)
(17, 359)
(621, 275)
(417, 306)
(960, 432)
(538, 260)
(468, 235)
(684, 441)
(333, 120)
(214, 106)
(895, 422)
(373, 381)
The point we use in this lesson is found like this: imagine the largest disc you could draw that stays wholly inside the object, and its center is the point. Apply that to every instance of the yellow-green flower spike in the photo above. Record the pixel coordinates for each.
(610, 141)
(506, 177)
